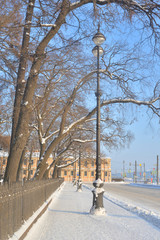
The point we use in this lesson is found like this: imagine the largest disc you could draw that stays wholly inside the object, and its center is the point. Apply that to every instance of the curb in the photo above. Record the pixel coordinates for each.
(35, 220)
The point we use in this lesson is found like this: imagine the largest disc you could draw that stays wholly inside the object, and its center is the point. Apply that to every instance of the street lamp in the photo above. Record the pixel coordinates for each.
(79, 182)
(98, 208)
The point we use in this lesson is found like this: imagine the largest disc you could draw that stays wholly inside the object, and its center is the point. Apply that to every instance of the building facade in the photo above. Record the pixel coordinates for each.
(3, 162)
(69, 173)
(29, 165)
(88, 170)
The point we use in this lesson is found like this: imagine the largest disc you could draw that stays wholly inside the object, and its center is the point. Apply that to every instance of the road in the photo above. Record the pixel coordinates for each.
(148, 198)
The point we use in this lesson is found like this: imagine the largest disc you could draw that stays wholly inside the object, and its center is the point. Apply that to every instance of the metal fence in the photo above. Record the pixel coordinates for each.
(19, 201)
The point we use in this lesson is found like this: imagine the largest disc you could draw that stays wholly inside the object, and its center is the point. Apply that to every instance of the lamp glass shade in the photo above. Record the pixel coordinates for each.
(95, 51)
(98, 38)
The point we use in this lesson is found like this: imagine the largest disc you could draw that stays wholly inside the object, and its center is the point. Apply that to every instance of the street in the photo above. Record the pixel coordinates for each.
(146, 197)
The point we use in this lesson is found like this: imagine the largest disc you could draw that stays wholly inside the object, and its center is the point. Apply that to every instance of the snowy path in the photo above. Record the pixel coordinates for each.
(68, 218)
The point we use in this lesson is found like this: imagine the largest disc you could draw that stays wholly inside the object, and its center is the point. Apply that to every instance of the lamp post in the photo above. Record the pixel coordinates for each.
(98, 191)
(74, 173)
(79, 183)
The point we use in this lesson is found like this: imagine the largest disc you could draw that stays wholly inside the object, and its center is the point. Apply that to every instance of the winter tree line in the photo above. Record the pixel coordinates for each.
(48, 75)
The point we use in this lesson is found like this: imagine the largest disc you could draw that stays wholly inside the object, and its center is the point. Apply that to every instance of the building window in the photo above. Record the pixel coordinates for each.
(65, 173)
(71, 173)
(106, 174)
(31, 162)
(85, 164)
(92, 173)
(25, 161)
(31, 172)
(85, 173)
(92, 163)
(4, 161)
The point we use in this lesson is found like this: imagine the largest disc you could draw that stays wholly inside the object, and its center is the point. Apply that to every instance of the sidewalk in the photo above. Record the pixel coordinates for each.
(68, 218)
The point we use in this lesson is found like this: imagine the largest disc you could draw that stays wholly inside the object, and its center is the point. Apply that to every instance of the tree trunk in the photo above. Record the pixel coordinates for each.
(22, 69)
(46, 174)
(21, 164)
(22, 130)
(30, 163)
(55, 172)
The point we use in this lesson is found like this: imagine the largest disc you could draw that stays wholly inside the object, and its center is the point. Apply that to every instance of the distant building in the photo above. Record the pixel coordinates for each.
(3, 162)
(29, 165)
(88, 168)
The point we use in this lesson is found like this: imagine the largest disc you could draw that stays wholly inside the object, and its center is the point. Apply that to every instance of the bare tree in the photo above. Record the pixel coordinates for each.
(39, 39)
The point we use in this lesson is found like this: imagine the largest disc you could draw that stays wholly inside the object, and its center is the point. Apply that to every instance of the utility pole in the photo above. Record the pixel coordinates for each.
(140, 169)
(130, 169)
(123, 169)
(157, 169)
(135, 175)
(144, 174)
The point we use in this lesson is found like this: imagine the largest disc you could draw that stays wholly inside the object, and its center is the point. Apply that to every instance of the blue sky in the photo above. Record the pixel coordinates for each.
(144, 148)
(146, 143)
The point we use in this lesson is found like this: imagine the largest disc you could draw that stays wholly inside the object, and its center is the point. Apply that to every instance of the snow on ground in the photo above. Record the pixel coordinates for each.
(155, 186)
(149, 215)
(68, 218)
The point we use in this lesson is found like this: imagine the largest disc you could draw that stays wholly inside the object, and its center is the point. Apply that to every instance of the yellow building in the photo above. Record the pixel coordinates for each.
(88, 170)
(29, 165)
(3, 162)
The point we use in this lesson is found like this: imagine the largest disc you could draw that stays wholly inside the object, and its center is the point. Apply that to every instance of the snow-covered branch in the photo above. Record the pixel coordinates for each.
(83, 141)
(150, 103)
(66, 165)
(71, 98)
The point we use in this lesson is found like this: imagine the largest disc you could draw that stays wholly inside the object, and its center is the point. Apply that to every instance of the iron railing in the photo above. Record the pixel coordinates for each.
(18, 202)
